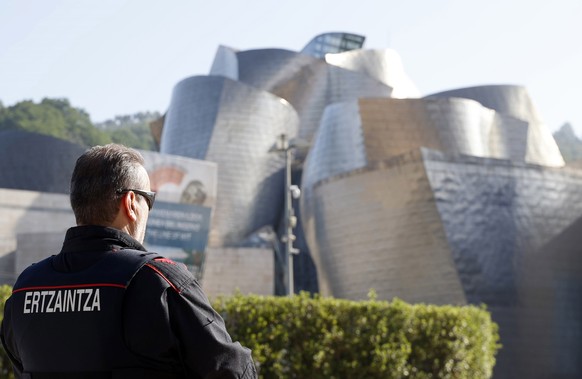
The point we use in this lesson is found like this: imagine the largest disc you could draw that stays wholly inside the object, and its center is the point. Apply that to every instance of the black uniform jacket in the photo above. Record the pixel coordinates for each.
(167, 325)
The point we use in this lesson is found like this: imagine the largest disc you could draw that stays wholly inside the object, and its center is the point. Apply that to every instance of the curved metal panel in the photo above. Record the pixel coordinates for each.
(267, 68)
(225, 63)
(460, 126)
(36, 162)
(191, 115)
(234, 125)
(382, 65)
(339, 145)
(515, 101)
(309, 84)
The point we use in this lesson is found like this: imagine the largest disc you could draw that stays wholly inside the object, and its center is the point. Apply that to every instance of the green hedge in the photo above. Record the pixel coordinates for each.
(5, 365)
(304, 337)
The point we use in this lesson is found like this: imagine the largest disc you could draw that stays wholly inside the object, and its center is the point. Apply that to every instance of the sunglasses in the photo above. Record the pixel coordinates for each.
(149, 196)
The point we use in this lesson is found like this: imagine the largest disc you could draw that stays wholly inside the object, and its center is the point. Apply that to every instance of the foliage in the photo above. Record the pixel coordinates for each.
(131, 130)
(53, 117)
(57, 118)
(5, 365)
(304, 337)
(570, 145)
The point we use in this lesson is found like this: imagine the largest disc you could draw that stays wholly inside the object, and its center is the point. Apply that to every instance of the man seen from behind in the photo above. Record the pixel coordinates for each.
(104, 307)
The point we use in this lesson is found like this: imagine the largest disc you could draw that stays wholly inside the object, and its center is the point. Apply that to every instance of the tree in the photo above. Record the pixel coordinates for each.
(53, 117)
(131, 130)
(58, 118)
(570, 145)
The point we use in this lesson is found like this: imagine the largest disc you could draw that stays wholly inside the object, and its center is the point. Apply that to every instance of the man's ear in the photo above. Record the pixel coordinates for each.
(129, 204)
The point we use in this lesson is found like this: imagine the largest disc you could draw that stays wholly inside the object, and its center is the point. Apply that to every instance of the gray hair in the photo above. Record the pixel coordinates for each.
(99, 173)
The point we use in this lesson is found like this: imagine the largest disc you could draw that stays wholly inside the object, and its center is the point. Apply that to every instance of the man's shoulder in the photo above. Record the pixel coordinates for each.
(175, 274)
(33, 271)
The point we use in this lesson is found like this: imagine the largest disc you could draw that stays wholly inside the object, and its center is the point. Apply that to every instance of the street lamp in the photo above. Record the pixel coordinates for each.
(284, 145)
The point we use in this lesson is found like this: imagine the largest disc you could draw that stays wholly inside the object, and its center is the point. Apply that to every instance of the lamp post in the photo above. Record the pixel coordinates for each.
(290, 221)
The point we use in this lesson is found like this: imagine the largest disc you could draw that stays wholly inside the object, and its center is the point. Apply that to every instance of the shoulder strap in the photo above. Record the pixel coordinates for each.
(174, 273)
(131, 262)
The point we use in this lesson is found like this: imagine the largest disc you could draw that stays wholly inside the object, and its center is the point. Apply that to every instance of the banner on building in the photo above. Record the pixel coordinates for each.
(179, 224)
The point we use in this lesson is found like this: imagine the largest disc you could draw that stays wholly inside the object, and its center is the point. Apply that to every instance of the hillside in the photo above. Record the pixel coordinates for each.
(58, 118)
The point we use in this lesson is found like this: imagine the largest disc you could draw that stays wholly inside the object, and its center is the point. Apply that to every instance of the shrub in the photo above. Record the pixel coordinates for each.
(304, 337)
(5, 365)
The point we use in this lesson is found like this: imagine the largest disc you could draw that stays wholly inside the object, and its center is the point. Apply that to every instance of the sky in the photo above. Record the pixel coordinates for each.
(116, 57)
